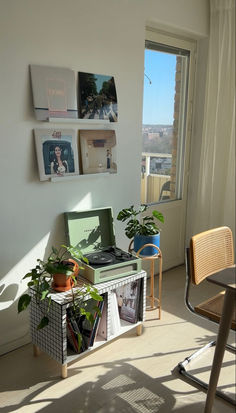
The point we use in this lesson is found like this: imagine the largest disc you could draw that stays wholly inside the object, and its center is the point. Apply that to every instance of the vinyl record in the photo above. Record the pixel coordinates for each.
(100, 258)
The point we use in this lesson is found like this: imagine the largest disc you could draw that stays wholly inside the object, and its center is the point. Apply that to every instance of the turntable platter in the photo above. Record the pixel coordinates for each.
(99, 258)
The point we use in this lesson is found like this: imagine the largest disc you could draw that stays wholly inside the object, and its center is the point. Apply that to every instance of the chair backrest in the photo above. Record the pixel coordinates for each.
(210, 251)
(165, 187)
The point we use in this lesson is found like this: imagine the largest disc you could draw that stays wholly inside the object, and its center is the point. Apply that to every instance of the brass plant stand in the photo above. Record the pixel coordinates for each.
(152, 259)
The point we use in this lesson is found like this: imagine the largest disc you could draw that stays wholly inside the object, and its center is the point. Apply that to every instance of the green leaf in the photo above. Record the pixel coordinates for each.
(44, 294)
(96, 296)
(158, 215)
(97, 310)
(89, 317)
(23, 302)
(125, 214)
(82, 311)
(58, 268)
(148, 219)
(143, 208)
(54, 250)
(49, 303)
(27, 275)
(79, 340)
(43, 323)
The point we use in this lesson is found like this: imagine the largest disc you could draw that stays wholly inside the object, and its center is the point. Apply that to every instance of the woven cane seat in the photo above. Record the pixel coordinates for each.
(212, 309)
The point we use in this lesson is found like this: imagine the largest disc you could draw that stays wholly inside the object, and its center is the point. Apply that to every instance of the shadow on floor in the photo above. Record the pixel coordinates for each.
(122, 388)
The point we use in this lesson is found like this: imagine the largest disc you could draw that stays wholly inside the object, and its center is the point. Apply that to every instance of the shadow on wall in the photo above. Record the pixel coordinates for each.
(33, 234)
(14, 326)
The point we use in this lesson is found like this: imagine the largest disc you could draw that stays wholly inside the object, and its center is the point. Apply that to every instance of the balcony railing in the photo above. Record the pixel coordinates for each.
(152, 183)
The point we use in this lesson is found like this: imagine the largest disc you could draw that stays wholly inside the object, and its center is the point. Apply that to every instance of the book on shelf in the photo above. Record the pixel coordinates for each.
(128, 299)
(101, 333)
(81, 333)
(96, 323)
(114, 314)
(87, 328)
(73, 343)
(74, 333)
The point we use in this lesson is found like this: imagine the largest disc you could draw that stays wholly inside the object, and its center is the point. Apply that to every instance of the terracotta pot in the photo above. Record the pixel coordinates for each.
(63, 282)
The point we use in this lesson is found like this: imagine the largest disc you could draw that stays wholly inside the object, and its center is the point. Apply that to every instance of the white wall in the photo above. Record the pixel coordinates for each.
(107, 37)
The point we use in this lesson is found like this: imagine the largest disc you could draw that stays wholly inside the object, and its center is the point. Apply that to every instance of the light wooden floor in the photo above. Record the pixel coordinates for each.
(131, 374)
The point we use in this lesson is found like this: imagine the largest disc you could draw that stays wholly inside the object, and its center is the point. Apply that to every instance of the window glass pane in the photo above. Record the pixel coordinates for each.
(164, 104)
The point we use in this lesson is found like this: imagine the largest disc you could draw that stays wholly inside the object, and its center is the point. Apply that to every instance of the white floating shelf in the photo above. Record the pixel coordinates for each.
(76, 177)
(77, 120)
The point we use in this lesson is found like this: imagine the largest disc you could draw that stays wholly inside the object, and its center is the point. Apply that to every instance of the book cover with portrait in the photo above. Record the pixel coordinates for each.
(57, 153)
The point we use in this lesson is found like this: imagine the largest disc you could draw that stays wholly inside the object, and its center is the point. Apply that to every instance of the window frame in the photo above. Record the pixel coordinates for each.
(176, 42)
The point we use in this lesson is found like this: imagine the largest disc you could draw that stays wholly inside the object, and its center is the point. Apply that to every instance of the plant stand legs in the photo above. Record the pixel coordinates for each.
(64, 371)
(152, 297)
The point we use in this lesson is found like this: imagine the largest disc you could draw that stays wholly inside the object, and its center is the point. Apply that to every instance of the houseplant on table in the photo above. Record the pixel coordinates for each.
(142, 228)
(43, 278)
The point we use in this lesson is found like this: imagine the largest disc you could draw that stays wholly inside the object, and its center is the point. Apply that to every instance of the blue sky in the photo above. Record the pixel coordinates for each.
(158, 101)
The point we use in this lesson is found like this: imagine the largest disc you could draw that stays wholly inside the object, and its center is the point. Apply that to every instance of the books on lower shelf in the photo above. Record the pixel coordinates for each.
(125, 303)
(81, 334)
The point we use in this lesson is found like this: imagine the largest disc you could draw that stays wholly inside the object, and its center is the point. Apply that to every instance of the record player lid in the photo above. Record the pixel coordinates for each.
(90, 230)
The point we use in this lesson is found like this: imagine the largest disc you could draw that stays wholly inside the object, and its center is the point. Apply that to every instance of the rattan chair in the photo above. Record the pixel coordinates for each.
(165, 188)
(210, 252)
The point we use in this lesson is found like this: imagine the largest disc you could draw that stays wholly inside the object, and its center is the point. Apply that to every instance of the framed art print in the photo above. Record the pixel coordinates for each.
(54, 92)
(97, 97)
(98, 151)
(57, 153)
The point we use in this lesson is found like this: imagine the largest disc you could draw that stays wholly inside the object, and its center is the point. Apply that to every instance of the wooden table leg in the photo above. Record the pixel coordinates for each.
(36, 350)
(225, 323)
(139, 329)
(64, 371)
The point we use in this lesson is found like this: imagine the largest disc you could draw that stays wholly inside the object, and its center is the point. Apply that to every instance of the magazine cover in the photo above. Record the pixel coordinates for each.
(97, 97)
(54, 92)
(128, 297)
(57, 153)
(98, 151)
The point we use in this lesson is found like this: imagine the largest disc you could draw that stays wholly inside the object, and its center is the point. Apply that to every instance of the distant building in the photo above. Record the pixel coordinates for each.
(153, 135)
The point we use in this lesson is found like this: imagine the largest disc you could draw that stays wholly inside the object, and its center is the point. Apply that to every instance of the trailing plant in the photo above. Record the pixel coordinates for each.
(41, 278)
(144, 225)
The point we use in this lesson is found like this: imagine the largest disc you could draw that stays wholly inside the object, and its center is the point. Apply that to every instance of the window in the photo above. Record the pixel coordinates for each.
(166, 75)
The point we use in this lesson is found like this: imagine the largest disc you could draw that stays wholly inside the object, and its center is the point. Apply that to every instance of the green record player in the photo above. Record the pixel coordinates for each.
(92, 232)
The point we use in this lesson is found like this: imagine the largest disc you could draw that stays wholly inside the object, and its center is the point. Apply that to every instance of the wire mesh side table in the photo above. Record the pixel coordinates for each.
(155, 302)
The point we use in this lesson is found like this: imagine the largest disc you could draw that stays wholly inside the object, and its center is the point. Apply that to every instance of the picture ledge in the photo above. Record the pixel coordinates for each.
(77, 120)
(76, 177)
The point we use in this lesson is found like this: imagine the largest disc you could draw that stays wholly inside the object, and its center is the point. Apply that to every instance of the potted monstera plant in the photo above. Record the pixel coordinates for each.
(142, 228)
(59, 272)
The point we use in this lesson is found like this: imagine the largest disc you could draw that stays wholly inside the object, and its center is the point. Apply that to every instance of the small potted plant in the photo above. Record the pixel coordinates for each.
(43, 278)
(143, 230)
